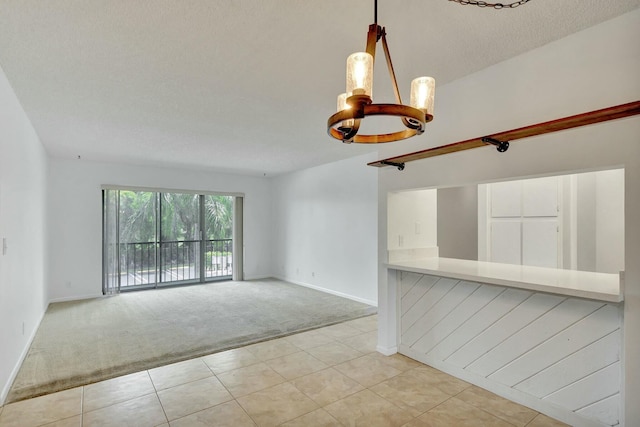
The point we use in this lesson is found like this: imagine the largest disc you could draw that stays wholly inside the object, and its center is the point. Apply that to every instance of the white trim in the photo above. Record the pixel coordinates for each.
(257, 277)
(483, 222)
(387, 351)
(237, 241)
(329, 291)
(76, 298)
(23, 355)
(573, 221)
(514, 395)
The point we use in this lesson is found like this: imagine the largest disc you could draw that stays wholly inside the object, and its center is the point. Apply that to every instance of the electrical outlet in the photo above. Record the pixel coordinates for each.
(313, 274)
(4, 246)
(401, 240)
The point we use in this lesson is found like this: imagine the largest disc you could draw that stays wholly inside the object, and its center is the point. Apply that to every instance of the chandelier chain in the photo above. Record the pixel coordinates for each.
(493, 5)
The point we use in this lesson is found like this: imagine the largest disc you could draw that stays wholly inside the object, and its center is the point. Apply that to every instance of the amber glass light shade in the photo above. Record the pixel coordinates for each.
(359, 74)
(422, 94)
(342, 105)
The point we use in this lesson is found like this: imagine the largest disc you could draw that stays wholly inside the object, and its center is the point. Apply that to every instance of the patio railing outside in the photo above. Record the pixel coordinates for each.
(148, 263)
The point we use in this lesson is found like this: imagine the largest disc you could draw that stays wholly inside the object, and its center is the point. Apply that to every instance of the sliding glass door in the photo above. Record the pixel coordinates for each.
(180, 237)
(152, 238)
(218, 229)
(136, 220)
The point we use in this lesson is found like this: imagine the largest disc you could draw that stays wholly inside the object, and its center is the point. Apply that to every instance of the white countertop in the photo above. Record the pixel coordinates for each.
(584, 284)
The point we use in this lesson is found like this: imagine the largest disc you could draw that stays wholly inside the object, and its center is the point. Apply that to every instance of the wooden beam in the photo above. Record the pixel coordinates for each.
(597, 116)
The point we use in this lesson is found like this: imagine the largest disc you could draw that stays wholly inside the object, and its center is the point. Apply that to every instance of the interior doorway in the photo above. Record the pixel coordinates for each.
(158, 238)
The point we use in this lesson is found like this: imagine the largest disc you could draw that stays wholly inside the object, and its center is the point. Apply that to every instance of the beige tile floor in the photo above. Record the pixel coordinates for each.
(326, 377)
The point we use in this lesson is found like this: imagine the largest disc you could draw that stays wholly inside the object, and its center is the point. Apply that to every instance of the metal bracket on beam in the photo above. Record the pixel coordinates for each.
(400, 166)
(501, 146)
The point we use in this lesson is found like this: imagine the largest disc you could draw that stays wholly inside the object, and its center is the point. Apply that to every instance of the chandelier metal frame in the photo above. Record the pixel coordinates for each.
(361, 106)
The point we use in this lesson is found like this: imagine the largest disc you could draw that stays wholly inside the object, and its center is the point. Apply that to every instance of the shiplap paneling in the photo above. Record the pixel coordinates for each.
(408, 281)
(482, 296)
(439, 289)
(589, 329)
(575, 366)
(593, 388)
(552, 322)
(563, 352)
(517, 318)
(607, 410)
(479, 321)
(411, 291)
(457, 294)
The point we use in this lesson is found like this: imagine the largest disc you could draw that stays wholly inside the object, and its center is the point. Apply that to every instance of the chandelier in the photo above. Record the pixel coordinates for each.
(357, 103)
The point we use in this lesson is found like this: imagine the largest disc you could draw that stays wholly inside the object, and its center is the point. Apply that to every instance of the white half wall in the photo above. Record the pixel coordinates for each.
(592, 69)
(23, 266)
(75, 217)
(552, 353)
(325, 228)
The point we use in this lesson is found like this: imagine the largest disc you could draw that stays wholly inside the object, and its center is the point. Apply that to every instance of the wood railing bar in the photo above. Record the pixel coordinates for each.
(592, 117)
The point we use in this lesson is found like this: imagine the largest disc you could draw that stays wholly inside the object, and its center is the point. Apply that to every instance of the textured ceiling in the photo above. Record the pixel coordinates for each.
(242, 85)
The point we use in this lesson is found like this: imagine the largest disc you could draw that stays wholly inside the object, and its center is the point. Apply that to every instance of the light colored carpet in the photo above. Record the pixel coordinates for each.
(82, 342)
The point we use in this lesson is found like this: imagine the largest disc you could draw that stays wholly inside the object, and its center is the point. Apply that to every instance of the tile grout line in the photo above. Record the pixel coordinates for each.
(157, 396)
(233, 398)
(121, 401)
(492, 414)
(82, 407)
(244, 410)
(368, 388)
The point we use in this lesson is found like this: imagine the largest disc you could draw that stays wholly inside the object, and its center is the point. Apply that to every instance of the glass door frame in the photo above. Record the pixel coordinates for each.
(234, 246)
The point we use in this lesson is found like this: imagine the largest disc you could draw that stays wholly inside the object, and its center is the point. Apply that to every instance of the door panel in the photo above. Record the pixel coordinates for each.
(179, 237)
(540, 243)
(506, 199)
(505, 242)
(540, 197)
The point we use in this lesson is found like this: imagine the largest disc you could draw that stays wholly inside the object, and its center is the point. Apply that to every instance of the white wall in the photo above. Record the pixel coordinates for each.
(600, 221)
(458, 222)
(75, 217)
(586, 221)
(592, 69)
(23, 299)
(610, 221)
(325, 228)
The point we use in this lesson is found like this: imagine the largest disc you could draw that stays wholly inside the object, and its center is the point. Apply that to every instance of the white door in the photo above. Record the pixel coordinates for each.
(524, 222)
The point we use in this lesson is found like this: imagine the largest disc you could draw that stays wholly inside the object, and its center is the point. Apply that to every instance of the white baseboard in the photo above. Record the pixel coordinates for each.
(257, 277)
(75, 298)
(517, 396)
(387, 351)
(23, 355)
(329, 291)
